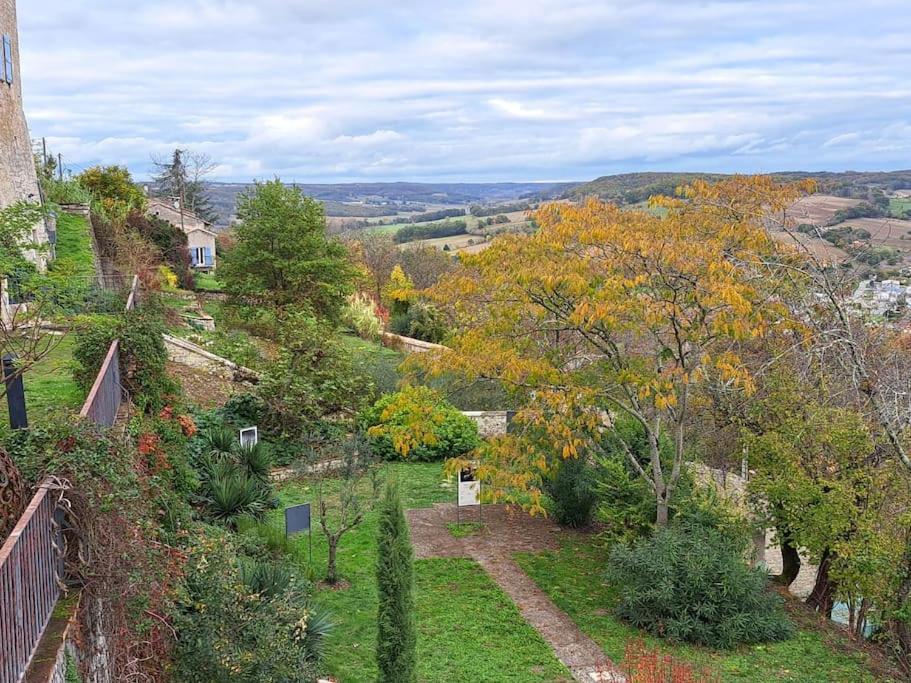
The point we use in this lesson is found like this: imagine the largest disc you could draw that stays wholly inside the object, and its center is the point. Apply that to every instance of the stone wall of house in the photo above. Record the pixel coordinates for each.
(18, 180)
(490, 422)
(171, 214)
(202, 238)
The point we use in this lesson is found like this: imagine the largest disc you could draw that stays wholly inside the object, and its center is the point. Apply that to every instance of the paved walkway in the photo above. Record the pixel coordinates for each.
(509, 530)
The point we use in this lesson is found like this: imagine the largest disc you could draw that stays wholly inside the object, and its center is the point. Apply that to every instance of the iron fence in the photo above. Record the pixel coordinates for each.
(104, 400)
(31, 568)
(31, 558)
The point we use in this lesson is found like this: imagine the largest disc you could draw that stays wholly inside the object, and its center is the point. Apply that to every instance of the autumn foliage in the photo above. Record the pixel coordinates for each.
(605, 312)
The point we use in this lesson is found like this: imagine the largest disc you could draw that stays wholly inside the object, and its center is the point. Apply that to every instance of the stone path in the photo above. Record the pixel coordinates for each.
(509, 530)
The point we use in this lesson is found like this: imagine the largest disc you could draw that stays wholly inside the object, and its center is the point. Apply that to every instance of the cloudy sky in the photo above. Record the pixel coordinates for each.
(472, 89)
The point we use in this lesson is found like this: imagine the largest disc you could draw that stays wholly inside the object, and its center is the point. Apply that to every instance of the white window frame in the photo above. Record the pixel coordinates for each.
(200, 253)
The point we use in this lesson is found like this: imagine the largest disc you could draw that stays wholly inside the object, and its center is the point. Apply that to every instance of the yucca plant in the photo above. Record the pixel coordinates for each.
(232, 493)
(257, 459)
(269, 579)
(219, 441)
(319, 626)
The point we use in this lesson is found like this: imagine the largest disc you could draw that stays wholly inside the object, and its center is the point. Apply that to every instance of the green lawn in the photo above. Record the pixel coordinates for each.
(74, 247)
(206, 282)
(468, 630)
(573, 578)
(49, 385)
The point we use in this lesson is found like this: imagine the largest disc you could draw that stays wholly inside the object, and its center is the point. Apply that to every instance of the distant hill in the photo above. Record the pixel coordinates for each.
(371, 200)
(632, 188)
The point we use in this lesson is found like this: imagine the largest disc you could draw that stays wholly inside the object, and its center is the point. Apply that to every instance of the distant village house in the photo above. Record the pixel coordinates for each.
(200, 237)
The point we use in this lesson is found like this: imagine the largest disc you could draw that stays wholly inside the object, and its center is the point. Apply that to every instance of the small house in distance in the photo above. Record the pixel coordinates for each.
(200, 237)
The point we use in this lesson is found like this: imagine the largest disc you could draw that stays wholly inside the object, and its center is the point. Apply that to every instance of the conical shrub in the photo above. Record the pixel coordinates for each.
(396, 633)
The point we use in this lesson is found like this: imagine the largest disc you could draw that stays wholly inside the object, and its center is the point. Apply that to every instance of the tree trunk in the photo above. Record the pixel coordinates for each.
(661, 516)
(898, 627)
(822, 599)
(331, 571)
(790, 562)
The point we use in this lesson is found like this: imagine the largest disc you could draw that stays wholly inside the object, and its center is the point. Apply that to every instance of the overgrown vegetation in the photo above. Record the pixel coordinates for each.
(690, 583)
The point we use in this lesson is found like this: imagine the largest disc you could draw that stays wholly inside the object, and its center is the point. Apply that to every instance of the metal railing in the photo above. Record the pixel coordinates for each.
(106, 395)
(31, 568)
(104, 399)
(31, 559)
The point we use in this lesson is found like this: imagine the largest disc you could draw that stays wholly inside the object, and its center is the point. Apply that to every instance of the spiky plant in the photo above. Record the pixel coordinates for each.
(257, 459)
(269, 579)
(232, 493)
(219, 441)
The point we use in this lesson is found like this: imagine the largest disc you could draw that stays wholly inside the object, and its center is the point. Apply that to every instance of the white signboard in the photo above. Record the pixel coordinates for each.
(249, 437)
(469, 488)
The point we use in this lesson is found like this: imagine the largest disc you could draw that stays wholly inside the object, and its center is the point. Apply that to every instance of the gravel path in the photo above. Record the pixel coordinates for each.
(508, 530)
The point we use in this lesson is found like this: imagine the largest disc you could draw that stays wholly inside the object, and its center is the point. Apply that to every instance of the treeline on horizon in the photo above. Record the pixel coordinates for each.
(426, 231)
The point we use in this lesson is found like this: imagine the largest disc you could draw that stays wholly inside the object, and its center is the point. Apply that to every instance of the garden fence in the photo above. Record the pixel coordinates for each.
(106, 395)
(31, 569)
(31, 559)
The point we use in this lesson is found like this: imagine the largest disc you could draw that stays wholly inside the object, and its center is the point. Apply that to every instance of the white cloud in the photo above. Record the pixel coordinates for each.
(471, 89)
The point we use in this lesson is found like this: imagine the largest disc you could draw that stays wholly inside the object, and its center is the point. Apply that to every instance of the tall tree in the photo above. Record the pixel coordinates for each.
(282, 258)
(396, 635)
(182, 177)
(608, 312)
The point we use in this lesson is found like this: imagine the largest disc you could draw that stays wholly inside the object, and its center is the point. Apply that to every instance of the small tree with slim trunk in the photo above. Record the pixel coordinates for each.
(344, 496)
(396, 639)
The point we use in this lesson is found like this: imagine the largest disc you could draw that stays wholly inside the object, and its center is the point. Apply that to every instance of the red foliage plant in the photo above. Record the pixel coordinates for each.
(642, 664)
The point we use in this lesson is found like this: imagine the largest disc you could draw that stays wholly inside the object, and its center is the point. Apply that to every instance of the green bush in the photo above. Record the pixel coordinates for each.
(571, 488)
(628, 503)
(421, 321)
(245, 625)
(65, 192)
(143, 356)
(256, 459)
(396, 632)
(454, 434)
(243, 410)
(313, 377)
(690, 583)
(237, 347)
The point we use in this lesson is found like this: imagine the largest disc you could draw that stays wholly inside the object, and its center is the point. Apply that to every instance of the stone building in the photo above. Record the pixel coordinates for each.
(18, 179)
(200, 237)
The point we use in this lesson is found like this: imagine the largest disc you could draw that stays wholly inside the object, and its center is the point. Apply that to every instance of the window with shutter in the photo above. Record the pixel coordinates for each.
(7, 60)
(208, 256)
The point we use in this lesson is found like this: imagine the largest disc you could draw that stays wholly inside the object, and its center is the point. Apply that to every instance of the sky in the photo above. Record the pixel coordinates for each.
(471, 90)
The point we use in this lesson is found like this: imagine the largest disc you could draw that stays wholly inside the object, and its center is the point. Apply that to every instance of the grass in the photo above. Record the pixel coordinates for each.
(573, 578)
(463, 529)
(899, 205)
(468, 630)
(74, 247)
(377, 361)
(49, 385)
(206, 282)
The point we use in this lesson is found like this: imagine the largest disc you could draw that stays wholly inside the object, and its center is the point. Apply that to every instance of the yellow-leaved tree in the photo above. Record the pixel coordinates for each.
(605, 314)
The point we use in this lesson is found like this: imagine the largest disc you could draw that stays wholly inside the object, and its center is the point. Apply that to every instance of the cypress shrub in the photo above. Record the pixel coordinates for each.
(396, 635)
(571, 488)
